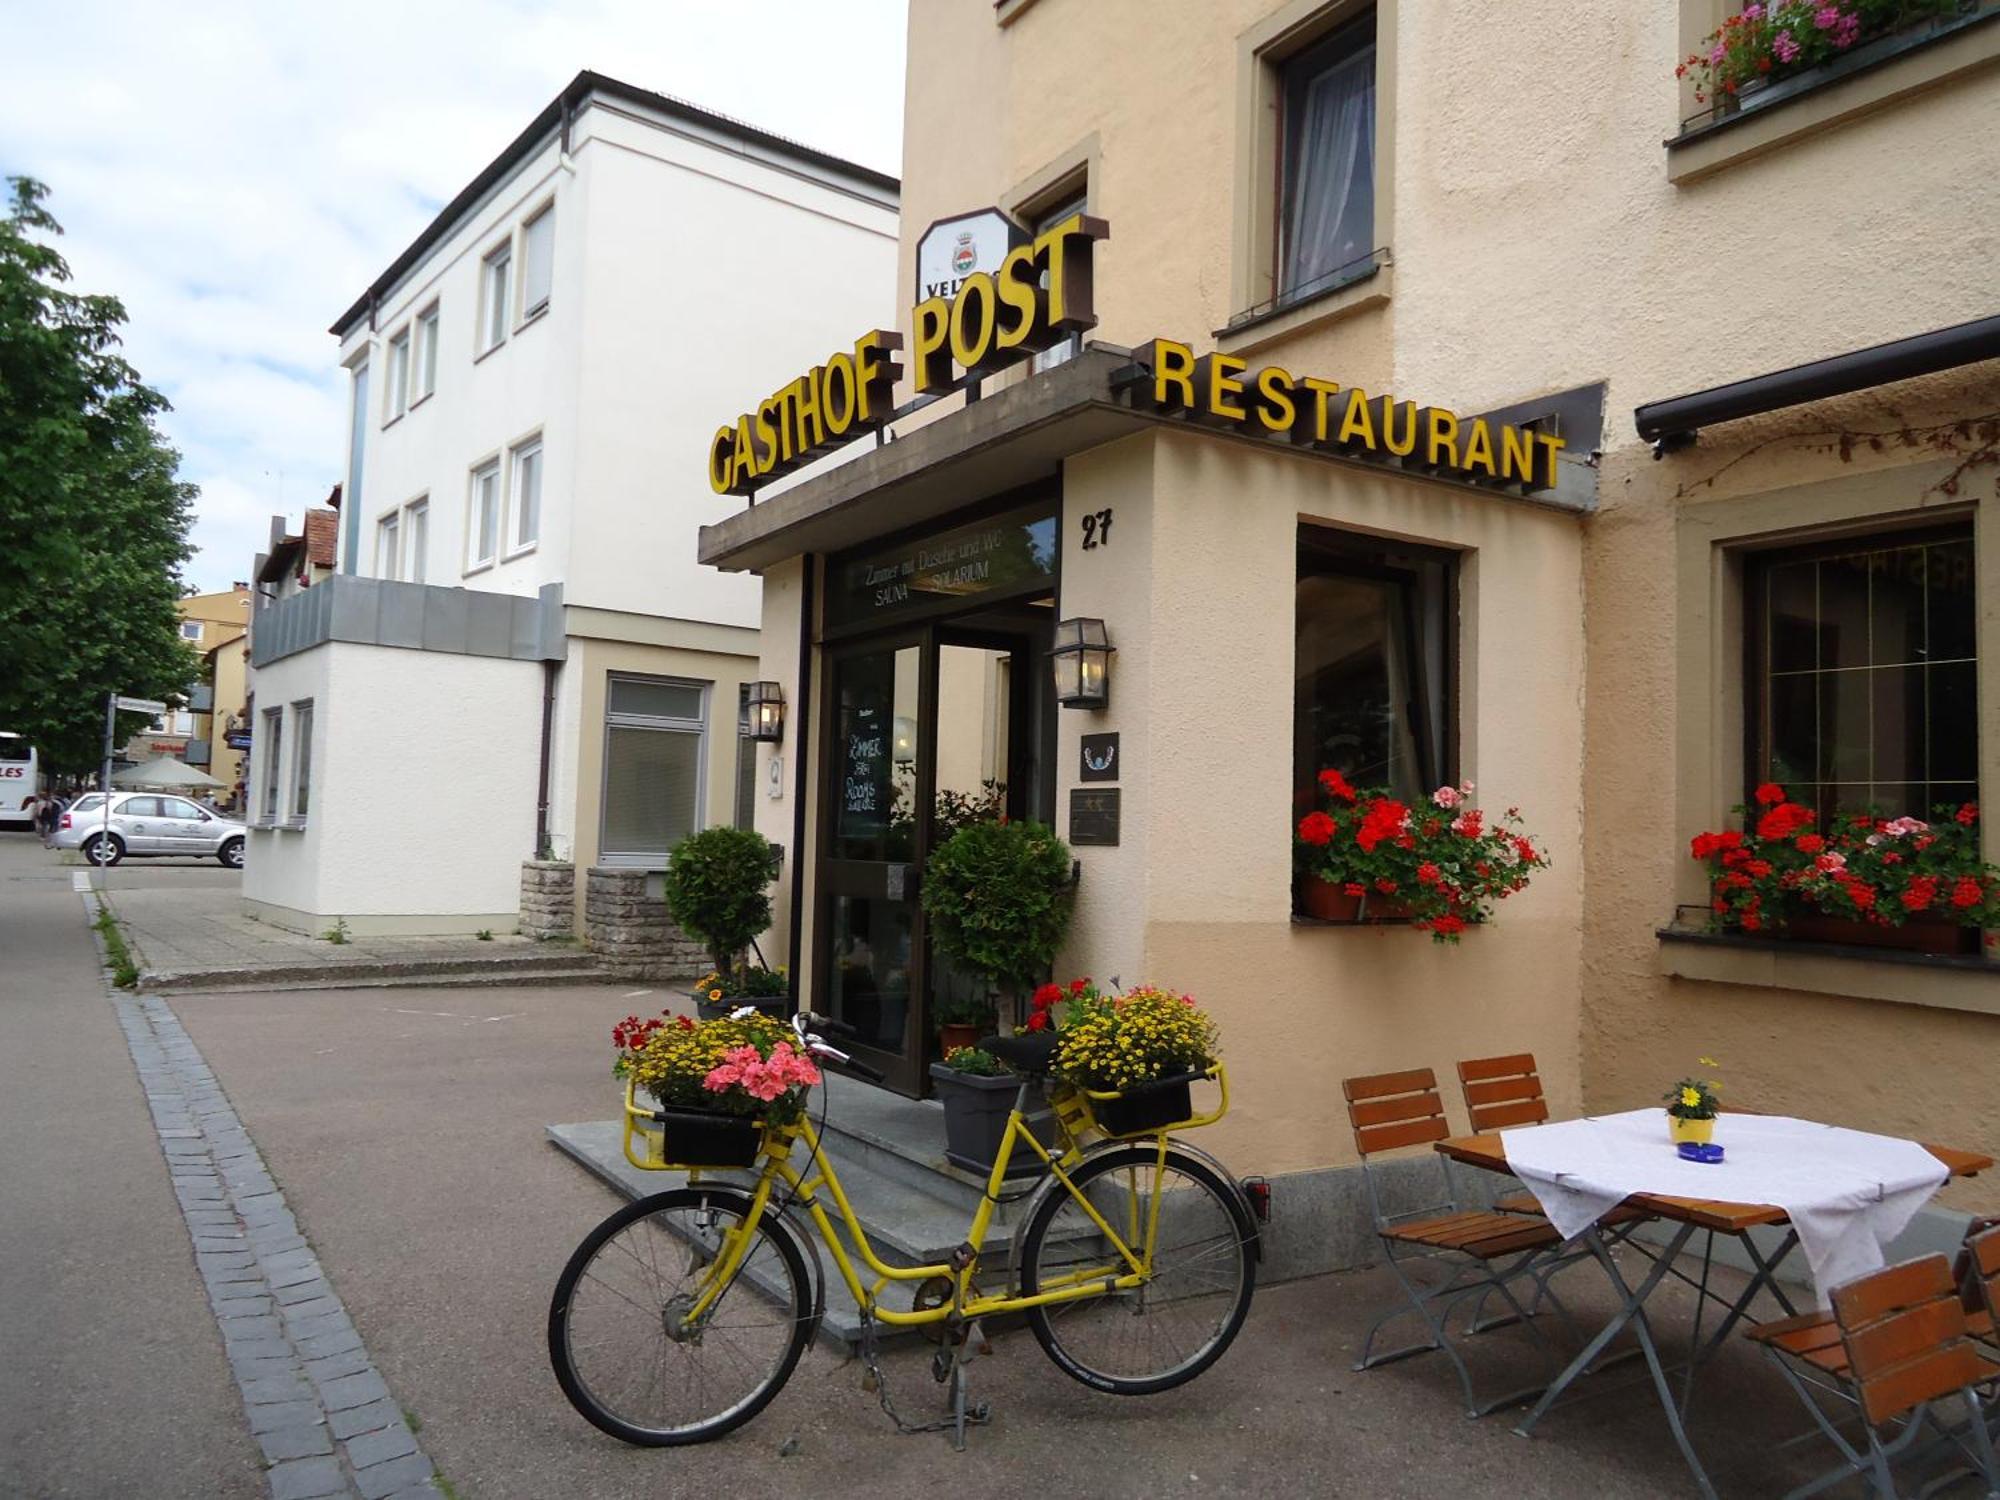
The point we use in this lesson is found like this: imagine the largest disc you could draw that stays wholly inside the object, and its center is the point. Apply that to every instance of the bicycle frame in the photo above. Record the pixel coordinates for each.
(1133, 1250)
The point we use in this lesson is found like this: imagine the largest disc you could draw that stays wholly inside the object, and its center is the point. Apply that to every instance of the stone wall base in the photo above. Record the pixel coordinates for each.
(548, 898)
(629, 932)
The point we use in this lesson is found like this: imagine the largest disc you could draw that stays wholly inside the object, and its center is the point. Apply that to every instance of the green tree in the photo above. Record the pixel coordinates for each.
(94, 514)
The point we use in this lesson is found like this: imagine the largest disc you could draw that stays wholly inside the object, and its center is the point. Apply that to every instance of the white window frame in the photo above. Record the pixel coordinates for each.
(473, 561)
(532, 309)
(425, 349)
(496, 279)
(270, 784)
(301, 778)
(517, 456)
(649, 859)
(190, 630)
(415, 538)
(396, 389)
(389, 545)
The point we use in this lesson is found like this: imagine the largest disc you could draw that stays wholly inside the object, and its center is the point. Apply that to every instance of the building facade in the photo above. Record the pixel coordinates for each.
(184, 731)
(1579, 625)
(520, 655)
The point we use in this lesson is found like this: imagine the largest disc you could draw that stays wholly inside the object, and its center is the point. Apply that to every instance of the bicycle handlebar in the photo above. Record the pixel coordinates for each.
(806, 1024)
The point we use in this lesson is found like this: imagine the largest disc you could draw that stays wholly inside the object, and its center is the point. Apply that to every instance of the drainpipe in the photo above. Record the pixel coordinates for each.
(549, 669)
(801, 762)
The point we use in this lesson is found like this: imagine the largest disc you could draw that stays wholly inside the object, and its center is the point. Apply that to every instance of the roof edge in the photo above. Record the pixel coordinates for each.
(523, 145)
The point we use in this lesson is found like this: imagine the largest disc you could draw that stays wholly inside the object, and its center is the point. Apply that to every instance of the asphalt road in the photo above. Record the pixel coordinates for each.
(112, 1378)
(406, 1129)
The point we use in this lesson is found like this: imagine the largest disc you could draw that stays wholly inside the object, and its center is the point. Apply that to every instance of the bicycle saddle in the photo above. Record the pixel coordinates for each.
(1028, 1052)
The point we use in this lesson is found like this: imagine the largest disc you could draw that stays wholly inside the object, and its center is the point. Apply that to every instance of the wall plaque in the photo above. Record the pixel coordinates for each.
(1093, 816)
(1099, 758)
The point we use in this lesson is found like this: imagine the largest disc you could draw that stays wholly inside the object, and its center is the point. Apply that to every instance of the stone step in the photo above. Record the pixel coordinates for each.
(872, 1132)
(499, 968)
(470, 980)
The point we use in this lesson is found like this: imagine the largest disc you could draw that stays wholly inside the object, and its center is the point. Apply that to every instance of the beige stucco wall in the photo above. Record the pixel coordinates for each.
(1538, 242)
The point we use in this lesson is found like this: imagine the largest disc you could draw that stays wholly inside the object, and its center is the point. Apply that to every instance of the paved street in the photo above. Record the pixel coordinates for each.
(405, 1129)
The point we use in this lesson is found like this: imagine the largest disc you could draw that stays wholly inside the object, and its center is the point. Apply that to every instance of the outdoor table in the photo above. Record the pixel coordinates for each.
(1718, 1216)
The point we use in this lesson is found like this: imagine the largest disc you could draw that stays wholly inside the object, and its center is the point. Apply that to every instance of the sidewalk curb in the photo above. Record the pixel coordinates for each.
(318, 1407)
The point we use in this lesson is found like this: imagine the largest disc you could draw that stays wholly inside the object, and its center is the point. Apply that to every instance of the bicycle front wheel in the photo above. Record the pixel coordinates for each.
(651, 1346)
(1200, 1276)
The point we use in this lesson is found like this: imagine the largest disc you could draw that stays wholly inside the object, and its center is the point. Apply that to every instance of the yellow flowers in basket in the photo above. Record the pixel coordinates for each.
(1113, 1042)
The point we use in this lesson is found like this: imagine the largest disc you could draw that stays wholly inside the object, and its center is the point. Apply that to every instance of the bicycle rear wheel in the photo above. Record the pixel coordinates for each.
(629, 1351)
(1203, 1272)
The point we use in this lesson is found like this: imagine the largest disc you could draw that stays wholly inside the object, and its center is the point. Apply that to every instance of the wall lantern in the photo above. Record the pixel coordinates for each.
(1082, 657)
(765, 713)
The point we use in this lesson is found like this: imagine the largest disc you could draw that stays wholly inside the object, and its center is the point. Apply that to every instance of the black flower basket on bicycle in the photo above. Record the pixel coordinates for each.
(1162, 1104)
(700, 1137)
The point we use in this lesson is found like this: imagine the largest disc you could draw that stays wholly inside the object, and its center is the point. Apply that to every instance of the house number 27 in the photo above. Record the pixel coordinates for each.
(1096, 529)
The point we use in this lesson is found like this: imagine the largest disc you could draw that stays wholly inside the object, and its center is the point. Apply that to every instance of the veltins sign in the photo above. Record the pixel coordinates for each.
(1040, 294)
(952, 249)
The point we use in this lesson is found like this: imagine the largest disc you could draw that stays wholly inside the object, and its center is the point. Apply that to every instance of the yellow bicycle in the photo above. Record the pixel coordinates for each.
(680, 1316)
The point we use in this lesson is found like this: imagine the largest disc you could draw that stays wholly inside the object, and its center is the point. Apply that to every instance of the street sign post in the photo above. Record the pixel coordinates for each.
(112, 703)
(141, 705)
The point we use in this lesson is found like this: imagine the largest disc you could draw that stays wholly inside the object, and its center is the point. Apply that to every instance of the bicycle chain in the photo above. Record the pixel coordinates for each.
(872, 1372)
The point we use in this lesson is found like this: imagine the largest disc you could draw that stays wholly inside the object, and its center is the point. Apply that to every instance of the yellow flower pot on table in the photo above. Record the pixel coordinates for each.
(1698, 1131)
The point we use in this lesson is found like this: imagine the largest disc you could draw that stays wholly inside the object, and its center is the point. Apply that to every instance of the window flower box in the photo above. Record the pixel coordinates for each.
(1771, 51)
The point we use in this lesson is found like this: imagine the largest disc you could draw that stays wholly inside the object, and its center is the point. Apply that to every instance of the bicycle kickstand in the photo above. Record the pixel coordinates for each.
(964, 1411)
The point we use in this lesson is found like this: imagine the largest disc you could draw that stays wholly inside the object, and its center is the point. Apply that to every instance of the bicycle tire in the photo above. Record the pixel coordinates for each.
(786, 1290)
(1061, 1328)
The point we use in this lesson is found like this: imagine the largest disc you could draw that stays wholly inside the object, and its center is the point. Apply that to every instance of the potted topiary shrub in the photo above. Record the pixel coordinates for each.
(718, 889)
(998, 897)
(978, 1092)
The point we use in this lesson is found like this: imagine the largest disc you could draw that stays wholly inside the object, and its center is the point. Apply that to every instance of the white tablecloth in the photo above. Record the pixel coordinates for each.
(1848, 1193)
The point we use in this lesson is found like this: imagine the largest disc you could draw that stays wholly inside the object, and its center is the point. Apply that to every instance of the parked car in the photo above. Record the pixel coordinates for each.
(147, 825)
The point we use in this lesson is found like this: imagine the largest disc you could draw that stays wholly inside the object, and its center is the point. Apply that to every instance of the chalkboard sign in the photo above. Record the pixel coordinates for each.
(1093, 816)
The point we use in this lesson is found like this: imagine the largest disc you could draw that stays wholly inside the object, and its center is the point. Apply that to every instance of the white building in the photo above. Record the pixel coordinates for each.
(520, 653)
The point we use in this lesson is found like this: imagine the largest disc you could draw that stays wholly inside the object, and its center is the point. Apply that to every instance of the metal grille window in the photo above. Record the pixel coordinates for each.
(655, 742)
(272, 743)
(1864, 673)
(302, 732)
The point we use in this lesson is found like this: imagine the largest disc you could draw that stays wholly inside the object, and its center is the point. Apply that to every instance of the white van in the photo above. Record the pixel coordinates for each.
(20, 778)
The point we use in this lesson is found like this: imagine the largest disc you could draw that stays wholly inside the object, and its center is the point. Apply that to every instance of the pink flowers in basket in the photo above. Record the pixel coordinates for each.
(762, 1077)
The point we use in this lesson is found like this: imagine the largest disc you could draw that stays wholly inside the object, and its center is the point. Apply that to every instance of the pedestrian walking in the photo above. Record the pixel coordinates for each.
(48, 811)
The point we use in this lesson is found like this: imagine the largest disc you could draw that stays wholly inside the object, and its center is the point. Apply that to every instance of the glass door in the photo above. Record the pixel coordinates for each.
(870, 944)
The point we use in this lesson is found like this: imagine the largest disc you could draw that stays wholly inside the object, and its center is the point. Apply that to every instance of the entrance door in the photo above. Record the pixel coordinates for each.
(926, 730)
(870, 945)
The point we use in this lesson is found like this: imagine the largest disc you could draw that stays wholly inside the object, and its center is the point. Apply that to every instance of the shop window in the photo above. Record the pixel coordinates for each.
(655, 742)
(271, 740)
(1326, 166)
(302, 728)
(746, 762)
(1374, 686)
(1863, 673)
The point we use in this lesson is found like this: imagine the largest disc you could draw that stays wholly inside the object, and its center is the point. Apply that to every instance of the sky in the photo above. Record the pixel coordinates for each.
(237, 174)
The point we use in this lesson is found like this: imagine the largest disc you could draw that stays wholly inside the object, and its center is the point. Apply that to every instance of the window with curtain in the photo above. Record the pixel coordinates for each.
(1374, 666)
(1326, 211)
(655, 735)
(538, 251)
(1864, 674)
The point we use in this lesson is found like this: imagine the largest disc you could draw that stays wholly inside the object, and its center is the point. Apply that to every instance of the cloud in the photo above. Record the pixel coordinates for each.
(237, 173)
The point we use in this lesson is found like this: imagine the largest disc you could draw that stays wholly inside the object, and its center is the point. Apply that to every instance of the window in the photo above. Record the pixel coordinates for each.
(427, 353)
(746, 762)
(357, 442)
(527, 495)
(180, 807)
(1072, 203)
(538, 250)
(271, 740)
(1374, 665)
(416, 539)
(396, 396)
(190, 630)
(654, 748)
(302, 730)
(1326, 166)
(387, 563)
(495, 274)
(483, 521)
(1863, 673)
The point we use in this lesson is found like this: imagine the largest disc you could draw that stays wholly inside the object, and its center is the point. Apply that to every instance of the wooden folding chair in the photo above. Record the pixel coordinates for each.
(1482, 1250)
(1977, 1271)
(1899, 1345)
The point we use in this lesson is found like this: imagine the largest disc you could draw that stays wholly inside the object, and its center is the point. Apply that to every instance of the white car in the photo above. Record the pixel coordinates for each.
(147, 825)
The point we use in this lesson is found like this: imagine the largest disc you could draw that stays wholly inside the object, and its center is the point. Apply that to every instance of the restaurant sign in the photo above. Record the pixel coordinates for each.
(1041, 294)
(1004, 553)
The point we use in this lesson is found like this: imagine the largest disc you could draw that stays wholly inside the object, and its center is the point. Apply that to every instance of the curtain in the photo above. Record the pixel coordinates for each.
(1330, 187)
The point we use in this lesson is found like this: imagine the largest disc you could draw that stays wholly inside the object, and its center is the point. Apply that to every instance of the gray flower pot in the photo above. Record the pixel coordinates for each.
(975, 1121)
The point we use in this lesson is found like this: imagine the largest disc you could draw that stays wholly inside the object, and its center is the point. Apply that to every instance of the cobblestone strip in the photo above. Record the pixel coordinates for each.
(317, 1405)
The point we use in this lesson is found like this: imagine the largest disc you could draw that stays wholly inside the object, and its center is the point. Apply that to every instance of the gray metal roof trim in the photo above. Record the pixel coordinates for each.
(578, 90)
